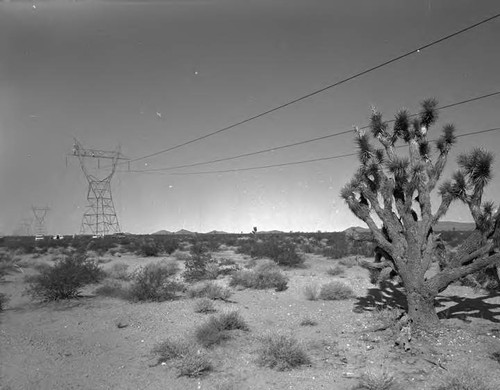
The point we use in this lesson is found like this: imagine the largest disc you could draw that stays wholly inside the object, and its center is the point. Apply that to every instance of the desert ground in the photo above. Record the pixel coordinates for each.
(98, 342)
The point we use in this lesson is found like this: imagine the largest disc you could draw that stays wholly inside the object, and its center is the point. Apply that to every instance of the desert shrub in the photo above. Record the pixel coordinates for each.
(259, 281)
(3, 301)
(201, 265)
(282, 252)
(281, 353)
(181, 255)
(154, 282)
(101, 245)
(204, 306)
(307, 321)
(464, 380)
(65, 279)
(226, 262)
(113, 289)
(118, 271)
(265, 275)
(215, 330)
(7, 264)
(167, 245)
(212, 243)
(335, 291)
(209, 290)
(311, 292)
(380, 380)
(149, 249)
(335, 271)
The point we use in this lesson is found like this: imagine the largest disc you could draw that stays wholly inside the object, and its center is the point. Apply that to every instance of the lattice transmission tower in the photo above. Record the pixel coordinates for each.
(40, 213)
(99, 217)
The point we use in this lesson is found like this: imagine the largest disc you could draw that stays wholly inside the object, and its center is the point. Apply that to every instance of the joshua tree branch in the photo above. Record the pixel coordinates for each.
(443, 279)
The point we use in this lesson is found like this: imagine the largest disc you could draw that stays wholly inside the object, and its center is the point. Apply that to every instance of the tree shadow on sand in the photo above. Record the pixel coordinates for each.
(464, 308)
(389, 295)
(385, 295)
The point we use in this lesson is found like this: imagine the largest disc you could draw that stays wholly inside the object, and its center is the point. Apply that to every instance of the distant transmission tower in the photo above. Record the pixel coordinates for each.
(100, 215)
(40, 213)
(25, 227)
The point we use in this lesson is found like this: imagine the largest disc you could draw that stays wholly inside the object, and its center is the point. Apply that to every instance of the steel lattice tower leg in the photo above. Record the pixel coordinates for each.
(100, 215)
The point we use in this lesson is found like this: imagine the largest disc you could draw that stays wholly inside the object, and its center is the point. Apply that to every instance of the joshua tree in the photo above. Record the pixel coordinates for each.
(398, 190)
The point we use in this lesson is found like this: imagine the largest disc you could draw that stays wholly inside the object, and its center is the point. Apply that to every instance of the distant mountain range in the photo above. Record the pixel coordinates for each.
(440, 227)
(179, 232)
(454, 226)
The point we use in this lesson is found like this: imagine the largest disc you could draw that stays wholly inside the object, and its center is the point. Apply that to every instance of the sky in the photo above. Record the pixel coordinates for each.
(146, 76)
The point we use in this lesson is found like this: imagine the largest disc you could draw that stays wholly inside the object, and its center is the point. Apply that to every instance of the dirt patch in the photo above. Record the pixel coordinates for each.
(105, 343)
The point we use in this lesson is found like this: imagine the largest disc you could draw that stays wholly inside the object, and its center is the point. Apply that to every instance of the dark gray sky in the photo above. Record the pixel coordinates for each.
(150, 75)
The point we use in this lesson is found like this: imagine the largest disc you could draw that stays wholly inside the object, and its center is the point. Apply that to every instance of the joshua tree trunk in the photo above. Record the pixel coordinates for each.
(398, 191)
(421, 305)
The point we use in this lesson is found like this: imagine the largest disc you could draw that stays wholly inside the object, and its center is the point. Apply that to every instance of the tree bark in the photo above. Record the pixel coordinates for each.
(421, 307)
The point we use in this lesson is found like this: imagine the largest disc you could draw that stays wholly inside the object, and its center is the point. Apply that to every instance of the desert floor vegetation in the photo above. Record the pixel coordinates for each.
(138, 323)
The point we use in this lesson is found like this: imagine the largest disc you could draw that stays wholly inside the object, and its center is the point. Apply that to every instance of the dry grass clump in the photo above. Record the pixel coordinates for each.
(281, 353)
(189, 360)
(181, 255)
(3, 301)
(307, 321)
(335, 291)
(204, 306)
(386, 317)
(348, 262)
(173, 349)
(215, 330)
(8, 264)
(335, 271)
(194, 365)
(209, 290)
(377, 380)
(118, 271)
(311, 291)
(112, 288)
(464, 380)
(266, 274)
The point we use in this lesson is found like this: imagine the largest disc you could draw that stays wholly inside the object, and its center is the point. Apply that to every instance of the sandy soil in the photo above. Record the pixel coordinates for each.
(78, 344)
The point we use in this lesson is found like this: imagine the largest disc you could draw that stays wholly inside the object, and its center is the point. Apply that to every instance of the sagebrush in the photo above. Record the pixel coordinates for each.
(65, 279)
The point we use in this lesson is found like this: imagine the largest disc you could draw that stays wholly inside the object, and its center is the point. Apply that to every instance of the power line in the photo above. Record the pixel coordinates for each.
(318, 91)
(303, 142)
(299, 162)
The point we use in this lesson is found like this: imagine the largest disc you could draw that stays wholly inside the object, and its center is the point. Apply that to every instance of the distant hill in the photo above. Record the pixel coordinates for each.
(161, 232)
(217, 232)
(184, 232)
(271, 232)
(442, 226)
(454, 226)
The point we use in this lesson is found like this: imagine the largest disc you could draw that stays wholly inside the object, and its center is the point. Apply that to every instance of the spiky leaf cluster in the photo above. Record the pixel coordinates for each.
(428, 114)
(401, 126)
(365, 149)
(447, 139)
(477, 167)
(377, 125)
